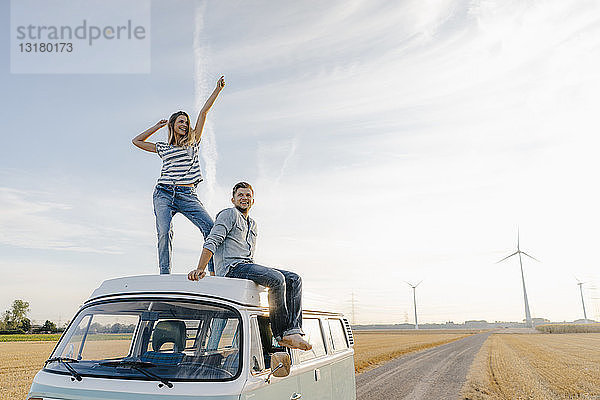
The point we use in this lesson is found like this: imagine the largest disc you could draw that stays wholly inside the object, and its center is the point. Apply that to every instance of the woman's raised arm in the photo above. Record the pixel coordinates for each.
(197, 131)
(140, 140)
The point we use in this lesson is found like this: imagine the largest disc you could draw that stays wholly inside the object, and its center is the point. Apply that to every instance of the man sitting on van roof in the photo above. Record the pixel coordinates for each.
(231, 242)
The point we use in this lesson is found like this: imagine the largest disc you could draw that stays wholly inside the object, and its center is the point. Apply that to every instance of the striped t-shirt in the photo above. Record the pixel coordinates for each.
(180, 164)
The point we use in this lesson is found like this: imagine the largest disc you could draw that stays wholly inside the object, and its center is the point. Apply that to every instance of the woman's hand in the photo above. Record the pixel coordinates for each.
(197, 131)
(221, 82)
(140, 140)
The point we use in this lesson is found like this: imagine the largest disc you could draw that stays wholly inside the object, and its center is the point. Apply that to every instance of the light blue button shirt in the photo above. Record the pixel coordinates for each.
(232, 240)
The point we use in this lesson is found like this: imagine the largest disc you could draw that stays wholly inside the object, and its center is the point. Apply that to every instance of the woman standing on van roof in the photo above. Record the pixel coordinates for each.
(176, 187)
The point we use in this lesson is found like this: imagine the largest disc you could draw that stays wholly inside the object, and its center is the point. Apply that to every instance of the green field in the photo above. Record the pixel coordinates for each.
(55, 336)
(569, 328)
(42, 337)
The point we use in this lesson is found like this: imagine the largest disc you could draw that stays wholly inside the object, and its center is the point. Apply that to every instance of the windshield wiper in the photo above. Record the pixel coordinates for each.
(138, 366)
(65, 361)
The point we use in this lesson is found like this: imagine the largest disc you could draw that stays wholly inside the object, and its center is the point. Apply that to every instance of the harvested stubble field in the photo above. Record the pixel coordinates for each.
(375, 347)
(19, 362)
(536, 367)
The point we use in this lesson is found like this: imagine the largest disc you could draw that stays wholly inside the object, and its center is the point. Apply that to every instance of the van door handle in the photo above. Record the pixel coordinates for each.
(296, 396)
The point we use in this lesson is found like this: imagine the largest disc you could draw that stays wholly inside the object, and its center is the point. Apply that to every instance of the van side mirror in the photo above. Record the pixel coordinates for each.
(280, 365)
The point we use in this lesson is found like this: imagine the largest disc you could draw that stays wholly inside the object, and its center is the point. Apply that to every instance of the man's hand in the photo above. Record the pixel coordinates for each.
(199, 272)
(196, 275)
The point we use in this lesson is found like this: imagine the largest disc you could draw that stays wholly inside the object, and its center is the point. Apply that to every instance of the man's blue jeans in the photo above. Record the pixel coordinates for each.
(168, 201)
(285, 296)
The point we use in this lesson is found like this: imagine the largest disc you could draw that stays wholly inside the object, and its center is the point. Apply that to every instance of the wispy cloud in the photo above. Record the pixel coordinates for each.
(202, 89)
(502, 64)
(30, 222)
(36, 220)
(273, 159)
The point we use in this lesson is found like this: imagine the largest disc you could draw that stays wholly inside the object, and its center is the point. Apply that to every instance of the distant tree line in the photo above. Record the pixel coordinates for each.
(114, 328)
(14, 320)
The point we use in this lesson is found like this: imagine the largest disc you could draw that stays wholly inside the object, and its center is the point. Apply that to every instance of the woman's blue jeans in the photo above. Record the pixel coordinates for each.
(168, 201)
(285, 296)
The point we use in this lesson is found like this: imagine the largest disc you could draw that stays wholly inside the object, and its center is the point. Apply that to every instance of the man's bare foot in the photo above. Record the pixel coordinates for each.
(295, 341)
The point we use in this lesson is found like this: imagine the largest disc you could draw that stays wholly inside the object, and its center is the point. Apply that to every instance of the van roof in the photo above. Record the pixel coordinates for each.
(241, 291)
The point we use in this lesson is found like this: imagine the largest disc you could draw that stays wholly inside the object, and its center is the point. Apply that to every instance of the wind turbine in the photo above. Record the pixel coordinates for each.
(582, 302)
(414, 287)
(519, 252)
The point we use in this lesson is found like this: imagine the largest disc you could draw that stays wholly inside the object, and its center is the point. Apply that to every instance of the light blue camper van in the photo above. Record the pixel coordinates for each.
(164, 337)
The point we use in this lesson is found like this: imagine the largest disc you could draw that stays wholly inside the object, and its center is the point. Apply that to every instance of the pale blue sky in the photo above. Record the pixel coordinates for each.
(387, 141)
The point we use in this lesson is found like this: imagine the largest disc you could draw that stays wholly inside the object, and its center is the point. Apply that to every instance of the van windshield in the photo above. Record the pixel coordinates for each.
(175, 340)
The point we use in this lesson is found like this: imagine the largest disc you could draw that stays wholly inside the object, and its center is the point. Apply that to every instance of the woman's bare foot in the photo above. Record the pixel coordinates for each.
(295, 341)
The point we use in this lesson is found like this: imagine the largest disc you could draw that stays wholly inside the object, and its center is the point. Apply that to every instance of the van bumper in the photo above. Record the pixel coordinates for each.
(49, 386)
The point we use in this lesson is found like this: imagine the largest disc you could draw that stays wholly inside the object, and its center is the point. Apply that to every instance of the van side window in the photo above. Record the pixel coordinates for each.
(269, 344)
(192, 329)
(216, 342)
(327, 334)
(337, 334)
(312, 329)
(257, 362)
(218, 335)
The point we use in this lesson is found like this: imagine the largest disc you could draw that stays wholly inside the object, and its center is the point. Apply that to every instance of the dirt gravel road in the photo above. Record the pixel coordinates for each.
(438, 373)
